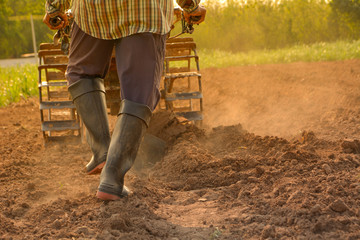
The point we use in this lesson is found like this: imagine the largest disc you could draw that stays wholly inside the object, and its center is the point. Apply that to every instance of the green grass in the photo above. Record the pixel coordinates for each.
(340, 50)
(17, 83)
(21, 81)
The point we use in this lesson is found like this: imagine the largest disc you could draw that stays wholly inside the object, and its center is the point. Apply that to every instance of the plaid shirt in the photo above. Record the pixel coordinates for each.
(112, 19)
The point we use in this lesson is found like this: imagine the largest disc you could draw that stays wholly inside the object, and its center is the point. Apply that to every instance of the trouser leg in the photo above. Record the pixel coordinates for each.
(140, 60)
(89, 59)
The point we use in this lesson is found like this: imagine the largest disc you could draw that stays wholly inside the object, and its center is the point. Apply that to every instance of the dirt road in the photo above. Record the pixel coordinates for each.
(278, 158)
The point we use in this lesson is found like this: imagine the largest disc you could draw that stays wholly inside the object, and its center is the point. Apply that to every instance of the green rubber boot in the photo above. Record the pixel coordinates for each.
(89, 98)
(132, 122)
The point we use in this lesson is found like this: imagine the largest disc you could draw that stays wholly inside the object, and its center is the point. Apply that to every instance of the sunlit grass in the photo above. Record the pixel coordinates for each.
(21, 81)
(340, 50)
(17, 82)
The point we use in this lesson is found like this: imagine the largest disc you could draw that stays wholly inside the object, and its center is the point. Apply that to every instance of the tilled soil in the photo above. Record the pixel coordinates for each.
(276, 158)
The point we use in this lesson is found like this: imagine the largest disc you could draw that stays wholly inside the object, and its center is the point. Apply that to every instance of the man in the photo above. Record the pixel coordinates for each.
(137, 29)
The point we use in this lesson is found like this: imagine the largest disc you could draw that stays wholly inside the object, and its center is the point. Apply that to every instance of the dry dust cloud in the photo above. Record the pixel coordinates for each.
(280, 99)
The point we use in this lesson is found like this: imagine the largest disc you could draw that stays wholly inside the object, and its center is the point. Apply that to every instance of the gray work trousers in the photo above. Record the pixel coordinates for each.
(139, 62)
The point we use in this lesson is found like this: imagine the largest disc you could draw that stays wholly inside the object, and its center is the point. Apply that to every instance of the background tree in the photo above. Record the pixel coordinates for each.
(238, 25)
(350, 8)
(15, 31)
(5, 11)
(347, 12)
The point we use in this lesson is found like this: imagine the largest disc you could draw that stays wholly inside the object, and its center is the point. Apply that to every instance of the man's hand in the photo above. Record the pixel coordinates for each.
(196, 17)
(56, 21)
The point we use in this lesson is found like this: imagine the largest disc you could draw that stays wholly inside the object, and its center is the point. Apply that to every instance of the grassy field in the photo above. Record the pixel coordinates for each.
(340, 50)
(21, 81)
(17, 82)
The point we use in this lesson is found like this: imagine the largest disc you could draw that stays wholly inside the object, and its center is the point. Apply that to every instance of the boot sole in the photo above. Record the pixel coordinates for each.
(107, 196)
(97, 169)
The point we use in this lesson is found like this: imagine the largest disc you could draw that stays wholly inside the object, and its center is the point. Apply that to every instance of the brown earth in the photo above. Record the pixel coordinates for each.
(277, 158)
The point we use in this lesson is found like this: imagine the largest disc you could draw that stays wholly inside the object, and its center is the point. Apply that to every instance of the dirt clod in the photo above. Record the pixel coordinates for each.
(268, 232)
(351, 146)
(117, 222)
(327, 169)
(339, 206)
(57, 224)
(83, 230)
